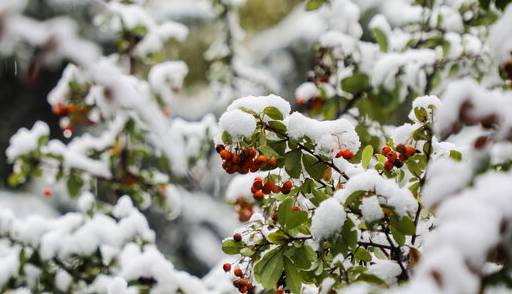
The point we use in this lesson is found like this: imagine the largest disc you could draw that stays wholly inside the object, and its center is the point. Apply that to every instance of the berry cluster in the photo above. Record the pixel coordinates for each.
(244, 209)
(397, 158)
(259, 189)
(244, 160)
(345, 153)
(241, 283)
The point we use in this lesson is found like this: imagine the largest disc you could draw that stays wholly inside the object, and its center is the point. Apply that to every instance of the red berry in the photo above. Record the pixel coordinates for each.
(388, 165)
(347, 154)
(287, 187)
(238, 272)
(339, 154)
(226, 267)
(296, 208)
(251, 152)
(268, 187)
(237, 237)
(409, 151)
(47, 192)
(225, 154)
(385, 150)
(392, 156)
(259, 195)
(301, 100)
(400, 148)
(260, 160)
(272, 162)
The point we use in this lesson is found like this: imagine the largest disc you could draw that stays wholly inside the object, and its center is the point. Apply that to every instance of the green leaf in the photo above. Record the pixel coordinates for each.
(405, 225)
(278, 126)
(247, 251)
(363, 255)
(273, 113)
(369, 278)
(456, 155)
(381, 39)
(269, 268)
(367, 156)
(293, 278)
(74, 184)
(319, 196)
(398, 236)
(314, 167)
(302, 257)
(356, 83)
(277, 237)
(288, 218)
(226, 138)
(421, 114)
(232, 247)
(268, 151)
(347, 240)
(314, 4)
(292, 163)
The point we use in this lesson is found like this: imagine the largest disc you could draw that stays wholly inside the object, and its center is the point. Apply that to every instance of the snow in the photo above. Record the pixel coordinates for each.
(371, 209)
(400, 199)
(327, 219)
(258, 103)
(306, 91)
(25, 141)
(499, 37)
(238, 123)
(386, 270)
(330, 136)
(167, 77)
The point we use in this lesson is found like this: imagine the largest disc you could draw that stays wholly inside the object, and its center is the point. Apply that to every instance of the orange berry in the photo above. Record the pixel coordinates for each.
(59, 109)
(388, 165)
(385, 150)
(410, 151)
(259, 195)
(238, 272)
(347, 154)
(261, 159)
(226, 267)
(225, 154)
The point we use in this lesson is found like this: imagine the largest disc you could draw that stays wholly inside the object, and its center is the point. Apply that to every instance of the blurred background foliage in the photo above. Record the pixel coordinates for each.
(24, 102)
